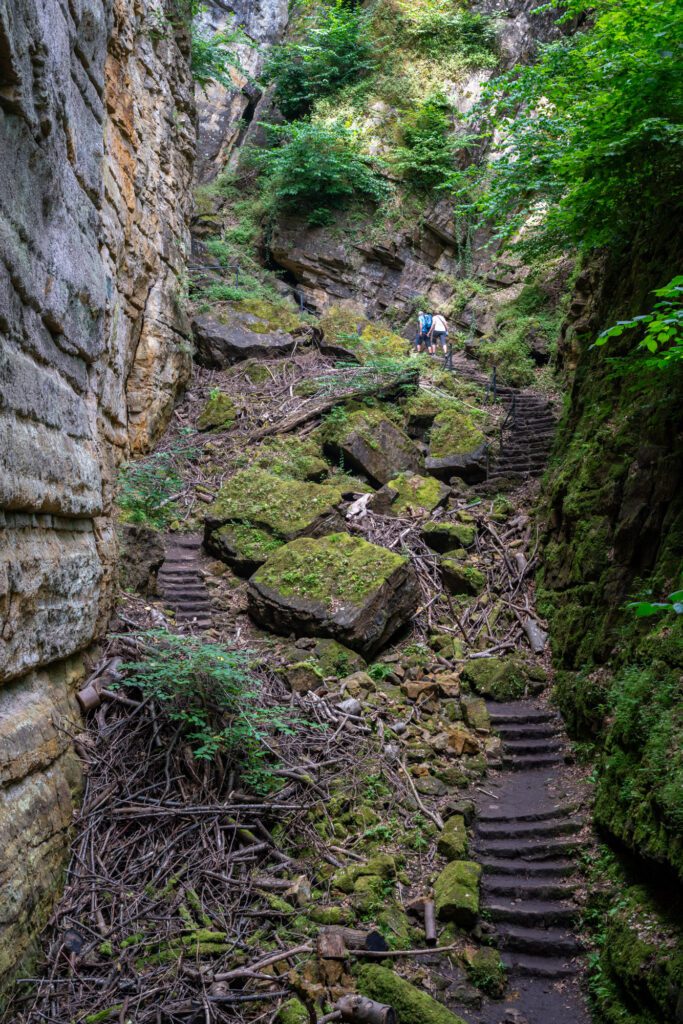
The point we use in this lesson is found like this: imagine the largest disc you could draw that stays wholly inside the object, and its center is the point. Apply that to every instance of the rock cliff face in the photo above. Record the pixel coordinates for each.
(96, 132)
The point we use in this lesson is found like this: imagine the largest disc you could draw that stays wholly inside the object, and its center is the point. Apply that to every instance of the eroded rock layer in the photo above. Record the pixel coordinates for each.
(97, 137)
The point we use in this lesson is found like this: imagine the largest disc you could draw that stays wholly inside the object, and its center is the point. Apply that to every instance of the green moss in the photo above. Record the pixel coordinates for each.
(502, 678)
(332, 569)
(106, 948)
(245, 542)
(283, 506)
(444, 536)
(336, 660)
(411, 1004)
(292, 458)
(416, 493)
(460, 578)
(256, 371)
(273, 316)
(101, 1015)
(452, 843)
(381, 867)
(331, 915)
(486, 970)
(218, 413)
(292, 1012)
(456, 893)
(455, 432)
(446, 645)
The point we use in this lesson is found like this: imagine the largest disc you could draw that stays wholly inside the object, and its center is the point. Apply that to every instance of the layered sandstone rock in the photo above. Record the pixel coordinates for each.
(96, 135)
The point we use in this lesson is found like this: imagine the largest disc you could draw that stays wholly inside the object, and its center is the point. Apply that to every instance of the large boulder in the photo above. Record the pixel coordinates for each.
(504, 678)
(456, 893)
(256, 512)
(337, 586)
(369, 443)
(416, 495)
(220, 344)
(457, 447)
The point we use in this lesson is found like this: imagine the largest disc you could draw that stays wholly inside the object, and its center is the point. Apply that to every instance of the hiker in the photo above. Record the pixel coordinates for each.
(438, 334)
(424, 325)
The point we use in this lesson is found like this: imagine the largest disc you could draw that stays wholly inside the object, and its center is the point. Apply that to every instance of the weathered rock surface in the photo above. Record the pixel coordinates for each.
(457, 447)
(339, 587)
(371, 444)
(220, 345)
(456, 893)
(97, 137)
(141, 555)
(256, 512)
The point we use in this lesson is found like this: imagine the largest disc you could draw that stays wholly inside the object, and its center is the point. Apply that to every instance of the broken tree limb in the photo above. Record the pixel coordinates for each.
(317, 406)
(355, 938)
(536, 636)
(360, 1010)
(430, 923)
(432, 815)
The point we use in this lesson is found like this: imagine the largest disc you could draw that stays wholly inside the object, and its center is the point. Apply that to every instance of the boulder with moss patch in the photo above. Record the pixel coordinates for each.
(486, 970)
(446, 535)
(337, 586)
(292, 1011)
(382, 867)
(452, 843)
(504, 678)
(256, 512)
(368, 442)
(461, 578)
(292, 457)
(456, 893)
(412, 1005)
(457, 447)
(240, 336)
(417, 495)
(218, 413)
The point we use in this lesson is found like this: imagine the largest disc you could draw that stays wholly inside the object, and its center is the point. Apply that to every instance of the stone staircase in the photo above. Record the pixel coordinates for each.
(181, 584)
(527, 838)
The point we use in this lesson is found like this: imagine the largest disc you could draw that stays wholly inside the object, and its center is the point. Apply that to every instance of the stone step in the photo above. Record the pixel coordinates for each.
(526, 888)
(188, 591)
(529, 829)
(525, 762)
(515, 716)
(559, 811)
(193, 605)
(505, 864)
(528, 730)
(548, 942)
(539, 966)
(531, 849)
(531, 745)
(536, 913)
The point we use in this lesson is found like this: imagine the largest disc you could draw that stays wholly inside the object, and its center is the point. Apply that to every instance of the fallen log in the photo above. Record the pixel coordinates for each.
(355, 938)
(359, 1010)
(316, 407)
(536, 636)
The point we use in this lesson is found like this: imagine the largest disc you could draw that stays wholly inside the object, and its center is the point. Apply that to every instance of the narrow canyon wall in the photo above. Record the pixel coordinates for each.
(97, 139)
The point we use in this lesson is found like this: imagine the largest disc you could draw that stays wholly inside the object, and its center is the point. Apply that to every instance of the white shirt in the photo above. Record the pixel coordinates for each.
(439, 324)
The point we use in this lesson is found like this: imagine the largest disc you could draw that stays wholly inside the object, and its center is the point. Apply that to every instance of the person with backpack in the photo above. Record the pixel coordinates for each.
(424, 325)
(438, 334)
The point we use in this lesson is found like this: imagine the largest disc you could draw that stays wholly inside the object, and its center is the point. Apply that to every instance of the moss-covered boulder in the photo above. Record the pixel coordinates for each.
(486, 970)
(445, 535)
(256, 512)
(218, 413)
(504, 678)
(412, 1005)
(476, 714)
(220, 343)
(382, 867)
(446, 645)
(457, 447)
(292, 1011)
(368, 442)
(461, 578)
(337, 586)
(335, 659)
(456, 893)
(292, 457)
(452, 843)
(416, 495)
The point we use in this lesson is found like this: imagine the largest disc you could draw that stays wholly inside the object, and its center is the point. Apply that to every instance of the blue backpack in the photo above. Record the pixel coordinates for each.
(426, 323)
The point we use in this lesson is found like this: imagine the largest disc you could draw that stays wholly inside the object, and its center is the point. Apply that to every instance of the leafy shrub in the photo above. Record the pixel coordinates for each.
(317, 167)
(145, 488)
(441, 28)
(592, 130)
(426, 157)
(332, 54)
(213, 695)
(662, 329)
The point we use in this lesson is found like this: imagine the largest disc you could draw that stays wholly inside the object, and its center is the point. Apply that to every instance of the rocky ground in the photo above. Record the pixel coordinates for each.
(359, 525)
